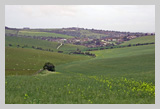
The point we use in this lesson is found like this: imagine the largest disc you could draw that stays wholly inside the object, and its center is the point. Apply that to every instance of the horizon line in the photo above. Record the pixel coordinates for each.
(72, 27)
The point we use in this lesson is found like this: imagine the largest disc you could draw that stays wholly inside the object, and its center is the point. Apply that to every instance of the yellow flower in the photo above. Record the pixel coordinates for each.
(26, 95)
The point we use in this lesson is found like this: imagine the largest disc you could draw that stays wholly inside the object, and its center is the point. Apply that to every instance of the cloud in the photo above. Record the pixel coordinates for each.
(50, 10)
(112, 17)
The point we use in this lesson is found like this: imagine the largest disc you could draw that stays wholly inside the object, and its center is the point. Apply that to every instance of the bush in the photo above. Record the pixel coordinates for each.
(49, 66)
(10, 44)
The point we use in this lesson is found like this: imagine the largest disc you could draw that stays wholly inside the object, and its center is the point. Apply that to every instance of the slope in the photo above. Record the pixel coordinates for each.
(127, 79)
(123, 52)
(144, 39)
(29, 43)
(122, 64)
(42, 34)
(23, 61)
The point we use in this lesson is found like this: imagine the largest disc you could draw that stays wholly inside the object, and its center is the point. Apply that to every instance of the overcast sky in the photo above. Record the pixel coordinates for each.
(133, 18)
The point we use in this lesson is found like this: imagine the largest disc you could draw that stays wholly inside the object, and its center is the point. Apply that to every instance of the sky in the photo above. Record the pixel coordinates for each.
(128, 18)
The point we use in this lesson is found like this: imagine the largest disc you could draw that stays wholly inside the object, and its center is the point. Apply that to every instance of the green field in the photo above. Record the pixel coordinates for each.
(35, 33)
(42, 34)
(88, 33)
(124, 63)
(40, 43)
(29, 61)
(114, 76)
(144, 39)
(127, 51)
(10, 31)
(121, 75)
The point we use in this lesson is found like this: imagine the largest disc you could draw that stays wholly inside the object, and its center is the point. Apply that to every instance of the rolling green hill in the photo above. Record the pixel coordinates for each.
(34, 33)
(10, 31)
(115, 76)
(43, 34)
(23, 61)
(111, 79)
(144, 39)
(39, 43)
(29, 42)
(88, 33)
(123, 52)
(130, 62)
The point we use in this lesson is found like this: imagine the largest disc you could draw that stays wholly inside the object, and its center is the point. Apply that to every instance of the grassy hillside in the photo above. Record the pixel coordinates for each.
(39, 43)
(34, 33)
(10, 31)
(115, 76)
(70, 47)
(30, 42)
(23, 61)
(144, 39)
(44, 34)
(106, 79)
(117, 63)
(91, 34)
(102, 80)
(123, 52)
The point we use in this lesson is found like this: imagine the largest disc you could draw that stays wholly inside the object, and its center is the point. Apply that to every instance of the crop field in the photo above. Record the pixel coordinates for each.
(29, 61)
(91, 34)
(144, 39)
(74, 88)
(29, 42)
(9, 31)
(70, 47)
(115, 76)
(122, 52)
(138, 64)
(38, 34)
(14, 41)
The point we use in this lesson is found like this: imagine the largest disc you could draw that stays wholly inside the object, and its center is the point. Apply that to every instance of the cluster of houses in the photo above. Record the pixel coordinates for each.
(91, 42)
(106, 38)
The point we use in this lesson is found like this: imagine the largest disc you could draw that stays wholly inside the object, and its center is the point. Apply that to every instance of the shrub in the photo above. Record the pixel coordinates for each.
(49, 66)
(10, 44)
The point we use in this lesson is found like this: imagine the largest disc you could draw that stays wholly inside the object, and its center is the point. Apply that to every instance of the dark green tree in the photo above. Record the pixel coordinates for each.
(49, 66)
(10, 44)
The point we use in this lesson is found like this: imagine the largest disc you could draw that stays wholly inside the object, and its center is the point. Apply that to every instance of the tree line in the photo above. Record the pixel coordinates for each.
(122, 46)
(26, 46)
(78, 51)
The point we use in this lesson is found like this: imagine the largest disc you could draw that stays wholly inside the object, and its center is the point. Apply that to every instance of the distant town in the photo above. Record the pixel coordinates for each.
(86, 37)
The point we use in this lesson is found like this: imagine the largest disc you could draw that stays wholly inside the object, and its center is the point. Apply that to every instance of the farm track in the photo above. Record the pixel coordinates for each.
(59, 46)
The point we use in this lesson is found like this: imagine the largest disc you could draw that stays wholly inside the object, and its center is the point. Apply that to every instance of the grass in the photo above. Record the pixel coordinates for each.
(144, 39)
(91, 34)
(39, 43)
(21, 61)
(75, 88)
(36, 33)
(86, 33)
(127, 79)
(70, 47)
(9, 31)
(123, 52)
(30, 42)
(44, 34)
(46, 72)
(133, 67)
